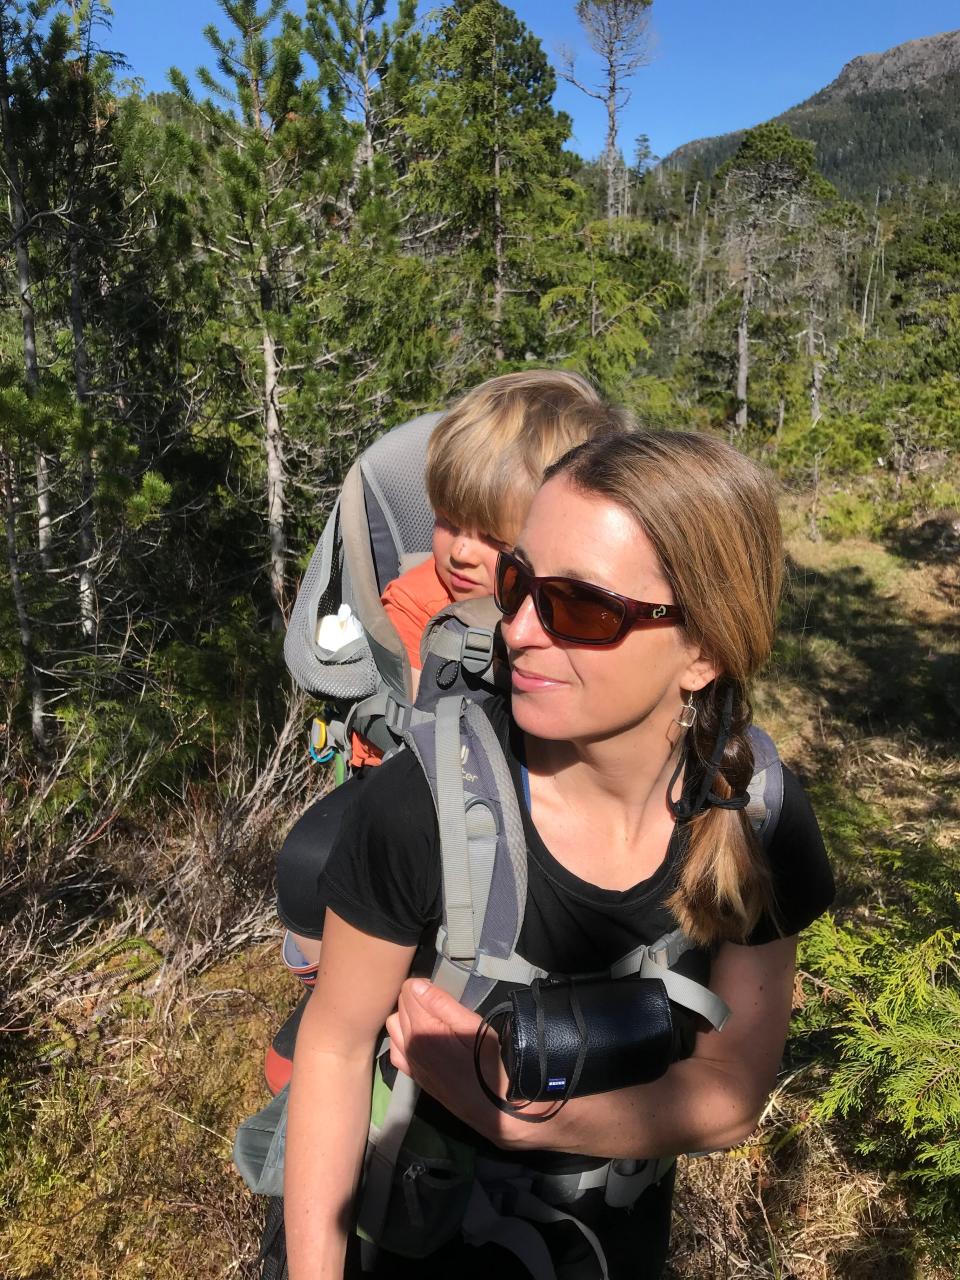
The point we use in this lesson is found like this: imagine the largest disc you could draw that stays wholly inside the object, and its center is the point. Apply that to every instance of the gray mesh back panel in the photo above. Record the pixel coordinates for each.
(393, 468)
(383, 544)
(401, 524)
(348, 674)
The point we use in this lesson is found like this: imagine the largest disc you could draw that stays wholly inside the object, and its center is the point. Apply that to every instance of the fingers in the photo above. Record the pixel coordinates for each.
(398, 1055)
(431, 1010)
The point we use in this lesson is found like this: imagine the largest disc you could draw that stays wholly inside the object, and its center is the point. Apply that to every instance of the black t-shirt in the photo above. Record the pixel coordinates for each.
(384, 875)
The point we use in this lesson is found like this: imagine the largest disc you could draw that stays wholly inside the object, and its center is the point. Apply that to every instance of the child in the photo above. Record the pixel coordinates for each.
(485, 461)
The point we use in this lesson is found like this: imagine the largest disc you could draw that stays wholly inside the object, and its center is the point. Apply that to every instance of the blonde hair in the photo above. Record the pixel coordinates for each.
(487, 455)
(712, 517)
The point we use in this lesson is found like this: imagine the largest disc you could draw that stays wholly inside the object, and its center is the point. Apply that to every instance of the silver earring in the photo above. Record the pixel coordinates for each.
(688, 714)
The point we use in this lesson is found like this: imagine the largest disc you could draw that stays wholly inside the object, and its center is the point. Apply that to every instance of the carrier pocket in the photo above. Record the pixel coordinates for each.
(427, 1203)
(430, 1187)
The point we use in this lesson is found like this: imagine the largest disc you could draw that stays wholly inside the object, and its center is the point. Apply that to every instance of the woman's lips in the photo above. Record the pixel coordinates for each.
(532, 681)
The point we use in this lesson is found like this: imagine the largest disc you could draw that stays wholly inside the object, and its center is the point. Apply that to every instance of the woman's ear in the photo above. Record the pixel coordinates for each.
(699, 674)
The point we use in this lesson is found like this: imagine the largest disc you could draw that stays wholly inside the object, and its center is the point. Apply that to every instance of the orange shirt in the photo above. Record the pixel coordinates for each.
(409, 601)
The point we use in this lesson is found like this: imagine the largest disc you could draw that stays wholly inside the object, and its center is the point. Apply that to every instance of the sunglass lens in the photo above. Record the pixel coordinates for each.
(579, 614)
(512, 585)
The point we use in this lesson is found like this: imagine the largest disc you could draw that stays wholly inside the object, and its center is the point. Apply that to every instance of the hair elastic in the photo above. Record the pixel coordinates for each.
(683, 809)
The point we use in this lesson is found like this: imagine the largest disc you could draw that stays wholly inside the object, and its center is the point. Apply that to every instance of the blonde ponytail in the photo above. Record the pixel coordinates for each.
(724, 884)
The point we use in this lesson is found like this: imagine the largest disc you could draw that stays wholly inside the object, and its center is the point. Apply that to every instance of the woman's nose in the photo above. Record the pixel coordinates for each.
(525, 630)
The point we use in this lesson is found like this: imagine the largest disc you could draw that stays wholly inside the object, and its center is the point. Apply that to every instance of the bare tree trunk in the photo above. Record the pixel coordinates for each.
(34, 683)
(273, 447)
(366, 148)
(610, 155)
(363, 156)
(499, 236)
(743, 353)
(866, 292)
(499, 282)
(81, 366)
(31, 368)
(816, 368)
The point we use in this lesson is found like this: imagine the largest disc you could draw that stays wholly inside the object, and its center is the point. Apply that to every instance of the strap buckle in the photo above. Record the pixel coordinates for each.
(476, 650)
(396, 715)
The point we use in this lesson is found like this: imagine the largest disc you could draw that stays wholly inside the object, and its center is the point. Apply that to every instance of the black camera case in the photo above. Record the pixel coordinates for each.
(564, 1038)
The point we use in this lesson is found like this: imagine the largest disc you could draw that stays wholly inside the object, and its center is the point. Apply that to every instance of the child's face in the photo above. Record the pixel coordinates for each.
(465, 559)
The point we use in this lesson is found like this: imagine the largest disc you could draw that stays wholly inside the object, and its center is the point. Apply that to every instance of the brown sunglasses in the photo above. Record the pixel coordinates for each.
(572, 610)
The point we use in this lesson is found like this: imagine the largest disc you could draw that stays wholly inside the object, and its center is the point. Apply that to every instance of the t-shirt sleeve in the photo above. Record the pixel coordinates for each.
(802, 878)
(383, 873)
(408, 617)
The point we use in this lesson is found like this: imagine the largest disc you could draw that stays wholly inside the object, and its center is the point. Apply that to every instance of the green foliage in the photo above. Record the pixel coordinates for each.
(771, 153)
(895, 1010)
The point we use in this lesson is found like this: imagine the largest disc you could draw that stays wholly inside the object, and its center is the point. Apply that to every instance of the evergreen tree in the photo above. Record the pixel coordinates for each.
(767, 187)
(281, 156)
(489, 166)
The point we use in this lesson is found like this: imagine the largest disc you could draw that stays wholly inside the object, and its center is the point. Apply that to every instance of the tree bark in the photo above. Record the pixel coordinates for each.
(610, 155)
(499, 284)
(499, 236)
(743, 352)
(81, 367)
(273, 445)
(366, 150)
(866, 292)
(816, 369)
(31, 671)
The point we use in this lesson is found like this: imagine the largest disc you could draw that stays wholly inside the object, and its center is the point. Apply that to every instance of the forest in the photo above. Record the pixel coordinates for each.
(212, 299)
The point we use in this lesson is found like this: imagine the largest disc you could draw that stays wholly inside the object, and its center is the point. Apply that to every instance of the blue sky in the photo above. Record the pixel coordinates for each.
(717, 64)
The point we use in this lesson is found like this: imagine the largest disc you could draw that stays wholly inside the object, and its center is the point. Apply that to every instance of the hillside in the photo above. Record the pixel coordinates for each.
(885, 116)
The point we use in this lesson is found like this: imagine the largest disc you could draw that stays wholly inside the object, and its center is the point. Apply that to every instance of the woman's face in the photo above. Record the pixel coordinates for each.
(562, 690)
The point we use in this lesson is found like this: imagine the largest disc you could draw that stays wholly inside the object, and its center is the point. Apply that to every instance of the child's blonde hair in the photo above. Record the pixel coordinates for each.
(487, 455)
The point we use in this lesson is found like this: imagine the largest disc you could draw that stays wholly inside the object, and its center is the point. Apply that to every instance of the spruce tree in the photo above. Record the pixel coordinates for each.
(280, 159)
(489, 167)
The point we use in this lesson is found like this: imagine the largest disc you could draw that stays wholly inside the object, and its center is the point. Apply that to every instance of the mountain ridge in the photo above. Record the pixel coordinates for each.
(885, 116)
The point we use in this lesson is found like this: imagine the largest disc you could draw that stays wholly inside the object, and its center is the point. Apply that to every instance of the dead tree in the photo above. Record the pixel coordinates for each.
(618, 31)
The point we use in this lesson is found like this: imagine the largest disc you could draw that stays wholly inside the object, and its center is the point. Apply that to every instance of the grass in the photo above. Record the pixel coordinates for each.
(135, 1041)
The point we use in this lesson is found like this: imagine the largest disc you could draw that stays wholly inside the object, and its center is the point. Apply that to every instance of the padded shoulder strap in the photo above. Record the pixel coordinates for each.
(483, 849)
(766, 785)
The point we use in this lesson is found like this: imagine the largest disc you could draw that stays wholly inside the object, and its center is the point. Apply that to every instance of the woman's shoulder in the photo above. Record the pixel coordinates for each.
(803, 884)
(383, 874)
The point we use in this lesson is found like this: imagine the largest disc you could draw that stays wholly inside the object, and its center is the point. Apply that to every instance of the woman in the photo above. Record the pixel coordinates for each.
(611, 738)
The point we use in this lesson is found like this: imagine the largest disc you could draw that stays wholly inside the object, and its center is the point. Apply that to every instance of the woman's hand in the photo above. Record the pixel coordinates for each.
(431, 1039)
(708, 1101)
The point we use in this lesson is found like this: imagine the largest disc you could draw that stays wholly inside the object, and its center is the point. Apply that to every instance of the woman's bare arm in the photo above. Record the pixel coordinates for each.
(329, 1110)
(708, 1101)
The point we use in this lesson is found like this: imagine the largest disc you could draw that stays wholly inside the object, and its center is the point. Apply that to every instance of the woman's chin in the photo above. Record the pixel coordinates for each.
(551, 723)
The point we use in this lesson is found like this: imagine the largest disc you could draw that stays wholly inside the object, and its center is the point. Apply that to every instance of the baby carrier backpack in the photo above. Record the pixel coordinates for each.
(420, 1187)
(381, 525)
